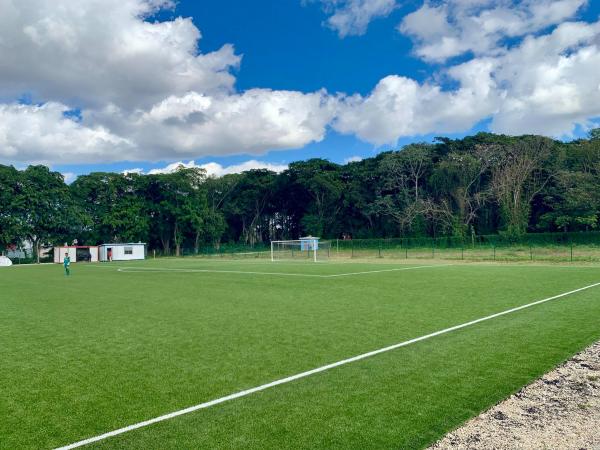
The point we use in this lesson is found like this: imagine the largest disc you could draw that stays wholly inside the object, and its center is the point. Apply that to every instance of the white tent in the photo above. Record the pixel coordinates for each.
(5, 261)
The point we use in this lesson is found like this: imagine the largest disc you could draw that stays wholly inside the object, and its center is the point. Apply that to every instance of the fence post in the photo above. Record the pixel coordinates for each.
(571, 251)
(530, 253)
(433, 248)
(462, 252)
(352, 255)
(380, 248)
(494, 247)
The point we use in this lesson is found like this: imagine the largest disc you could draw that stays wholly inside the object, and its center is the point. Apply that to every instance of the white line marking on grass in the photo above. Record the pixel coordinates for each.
(308, 373)
(385, 270)
(167, 269)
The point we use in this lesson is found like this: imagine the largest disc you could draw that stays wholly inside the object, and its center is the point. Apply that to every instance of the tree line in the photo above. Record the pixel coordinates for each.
(482, 184)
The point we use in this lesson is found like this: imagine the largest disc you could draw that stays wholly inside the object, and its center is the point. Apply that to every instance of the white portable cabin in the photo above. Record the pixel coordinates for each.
(77, 253)
(122, 252)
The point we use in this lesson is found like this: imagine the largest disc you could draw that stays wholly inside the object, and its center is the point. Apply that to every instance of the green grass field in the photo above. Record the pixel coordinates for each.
(104, 349)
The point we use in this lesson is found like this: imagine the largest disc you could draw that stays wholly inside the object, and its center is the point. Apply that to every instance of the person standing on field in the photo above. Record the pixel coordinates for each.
(67, 264)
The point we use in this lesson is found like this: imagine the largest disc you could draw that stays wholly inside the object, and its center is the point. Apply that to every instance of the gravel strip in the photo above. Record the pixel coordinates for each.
(561, 410)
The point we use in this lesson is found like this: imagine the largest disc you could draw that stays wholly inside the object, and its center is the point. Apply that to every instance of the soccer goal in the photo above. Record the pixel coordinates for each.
(309, 249)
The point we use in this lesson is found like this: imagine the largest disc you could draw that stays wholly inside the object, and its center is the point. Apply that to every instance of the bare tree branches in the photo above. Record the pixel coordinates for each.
(518, 177)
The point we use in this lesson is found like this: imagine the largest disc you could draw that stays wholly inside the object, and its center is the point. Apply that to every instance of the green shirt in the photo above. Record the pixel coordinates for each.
(67, 261)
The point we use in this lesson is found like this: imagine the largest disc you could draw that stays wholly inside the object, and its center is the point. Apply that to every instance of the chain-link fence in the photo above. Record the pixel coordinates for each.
(565, 247)
(530, 247)
(225, 250)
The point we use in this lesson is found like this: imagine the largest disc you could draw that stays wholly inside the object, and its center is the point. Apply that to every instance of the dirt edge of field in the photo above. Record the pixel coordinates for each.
(560, 410)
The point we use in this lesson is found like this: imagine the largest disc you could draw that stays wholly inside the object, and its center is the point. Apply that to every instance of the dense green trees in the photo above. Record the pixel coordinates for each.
(113, 207)
(35, 205)
(12, 206)
(481, 184)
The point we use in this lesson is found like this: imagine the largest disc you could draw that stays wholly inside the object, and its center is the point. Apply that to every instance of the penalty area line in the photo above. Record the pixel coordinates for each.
(175, 270)
(308, 373)
(386, 270)
(284, 274)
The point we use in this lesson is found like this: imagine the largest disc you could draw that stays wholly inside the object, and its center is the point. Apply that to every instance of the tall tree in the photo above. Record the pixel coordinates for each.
(114, 204)
(318, 180)
(13, 207)
(249, 207)
(219, 190)
(402, 194)
(51, 213)
(174, 202)
(520, 174)
(459, 180)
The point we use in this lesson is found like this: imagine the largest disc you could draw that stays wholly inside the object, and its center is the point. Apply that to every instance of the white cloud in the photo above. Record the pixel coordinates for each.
(173, 167)
(194, 124)
(216, 169)
(69, 177)
(558, 83)
(144, 91)
(42, 134)
(548, 84)
(399, 106)
(94, 52)
(447, 29)
(135, 170)
(352, 17)
(352, 159)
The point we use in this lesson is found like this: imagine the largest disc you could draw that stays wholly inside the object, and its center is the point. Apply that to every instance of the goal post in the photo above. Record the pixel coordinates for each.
(304, 249)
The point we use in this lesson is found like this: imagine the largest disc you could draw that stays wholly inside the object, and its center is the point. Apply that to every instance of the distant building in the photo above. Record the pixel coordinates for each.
(21, 251)
(122, 252)
(25, 250)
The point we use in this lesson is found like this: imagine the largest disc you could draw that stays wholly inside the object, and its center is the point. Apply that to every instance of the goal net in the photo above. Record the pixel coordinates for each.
(300, 250)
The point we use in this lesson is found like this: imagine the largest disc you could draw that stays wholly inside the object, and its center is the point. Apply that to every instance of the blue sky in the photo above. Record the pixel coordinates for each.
(365, 75)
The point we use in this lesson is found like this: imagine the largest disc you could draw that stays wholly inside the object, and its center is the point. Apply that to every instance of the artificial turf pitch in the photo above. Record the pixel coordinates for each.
(103, 349)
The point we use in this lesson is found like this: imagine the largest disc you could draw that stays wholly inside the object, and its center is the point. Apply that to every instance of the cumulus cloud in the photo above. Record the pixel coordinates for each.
(400, 106)
(95, 52)
(215, 169)
(43, 134)
(108, 83)
(195, 124)
(352, 159)
(352, 17)
(547, 84)
(558, 83)
(447, 29)
(143, 89)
